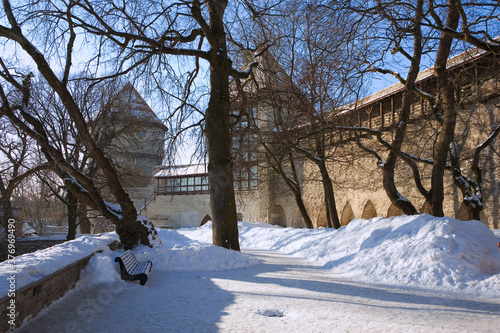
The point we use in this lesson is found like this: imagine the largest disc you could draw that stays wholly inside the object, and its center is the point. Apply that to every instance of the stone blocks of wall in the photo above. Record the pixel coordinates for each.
(188, 210)
(178, 211)
(358, 183)
(247, 206)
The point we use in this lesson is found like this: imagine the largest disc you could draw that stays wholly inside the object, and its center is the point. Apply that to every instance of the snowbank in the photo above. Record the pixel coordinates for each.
(31, 267)
(421, 251)
(177, 253)
(417, 251)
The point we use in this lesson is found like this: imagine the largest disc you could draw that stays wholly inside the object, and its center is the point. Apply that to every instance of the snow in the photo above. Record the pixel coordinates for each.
(152, 237)
(182, 170)
(114, 209)
(420, 251)
(410, 273)
(70, 179)
(31, 267)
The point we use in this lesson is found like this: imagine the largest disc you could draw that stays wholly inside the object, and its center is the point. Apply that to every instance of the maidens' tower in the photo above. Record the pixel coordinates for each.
(133, 137)
(140, 145)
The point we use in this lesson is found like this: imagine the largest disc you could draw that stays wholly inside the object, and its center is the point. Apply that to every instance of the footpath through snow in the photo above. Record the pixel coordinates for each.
(419, 251)
(410, 274)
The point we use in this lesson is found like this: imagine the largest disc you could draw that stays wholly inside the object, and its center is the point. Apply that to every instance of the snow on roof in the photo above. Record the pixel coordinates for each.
(137, 106)
(182, 170)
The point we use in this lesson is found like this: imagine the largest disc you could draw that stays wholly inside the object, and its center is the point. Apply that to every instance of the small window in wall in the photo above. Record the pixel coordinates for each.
(143, 134)
(246, 178)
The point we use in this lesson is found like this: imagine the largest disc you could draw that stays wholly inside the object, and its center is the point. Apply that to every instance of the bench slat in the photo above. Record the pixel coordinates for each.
(131, 269)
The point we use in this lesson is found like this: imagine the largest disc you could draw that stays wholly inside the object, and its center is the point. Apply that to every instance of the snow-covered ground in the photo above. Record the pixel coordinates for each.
(418, 251)
(415, 274)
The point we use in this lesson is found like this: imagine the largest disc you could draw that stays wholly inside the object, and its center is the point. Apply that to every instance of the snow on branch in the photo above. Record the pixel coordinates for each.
(243, 74)
(114, 209)
(70, 179)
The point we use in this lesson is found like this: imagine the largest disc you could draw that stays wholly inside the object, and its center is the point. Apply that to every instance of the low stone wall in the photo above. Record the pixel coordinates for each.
(31, 299)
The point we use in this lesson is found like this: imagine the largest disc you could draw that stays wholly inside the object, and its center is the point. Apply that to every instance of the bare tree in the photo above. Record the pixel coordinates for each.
(100, 104)
(41, 210)
(410, 35)
(318, 65)
(404, 37)
(280, 163)
(146, 38)
(465, 162)
(18, 161)
(478, 22)
(131, 230)
(279, 156)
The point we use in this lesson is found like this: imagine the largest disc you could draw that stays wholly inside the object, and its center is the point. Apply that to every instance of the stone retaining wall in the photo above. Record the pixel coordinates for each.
(31, 299)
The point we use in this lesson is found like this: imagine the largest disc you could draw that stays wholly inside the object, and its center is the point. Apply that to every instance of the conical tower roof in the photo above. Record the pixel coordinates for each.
(132, 104)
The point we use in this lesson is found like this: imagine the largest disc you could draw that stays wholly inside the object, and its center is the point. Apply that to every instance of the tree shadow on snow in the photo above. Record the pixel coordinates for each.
(376, 295)
(169, 302)
(196, 301)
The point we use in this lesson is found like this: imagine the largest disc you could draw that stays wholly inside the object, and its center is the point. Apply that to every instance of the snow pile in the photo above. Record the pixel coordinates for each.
(419, 251)
(177, 253)
(32, 267)
(101, 268)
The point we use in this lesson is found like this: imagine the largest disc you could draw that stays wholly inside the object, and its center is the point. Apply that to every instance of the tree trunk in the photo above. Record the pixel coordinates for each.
(85, 225)
(449, 118)
(131, 231)
(389, 184)
(218, 135)
(303, 211)
(332, 216)
(298, 194)
(390, 165)
(295, 188)
(72, 204)
(5, 209)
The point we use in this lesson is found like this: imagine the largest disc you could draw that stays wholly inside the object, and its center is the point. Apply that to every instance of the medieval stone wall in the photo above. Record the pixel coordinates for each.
(356, 176)
(178, 211)
(358, 183)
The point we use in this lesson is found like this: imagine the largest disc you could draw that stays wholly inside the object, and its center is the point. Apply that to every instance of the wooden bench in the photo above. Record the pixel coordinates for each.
(131, 269)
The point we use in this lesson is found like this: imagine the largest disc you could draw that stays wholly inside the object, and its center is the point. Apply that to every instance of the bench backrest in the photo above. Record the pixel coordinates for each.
(129, 260)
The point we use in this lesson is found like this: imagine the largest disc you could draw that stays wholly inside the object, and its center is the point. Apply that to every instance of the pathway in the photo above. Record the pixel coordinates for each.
(283, 294)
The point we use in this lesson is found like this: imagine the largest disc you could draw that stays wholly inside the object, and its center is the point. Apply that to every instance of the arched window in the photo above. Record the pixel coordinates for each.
(394, 211)
(322, 220)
